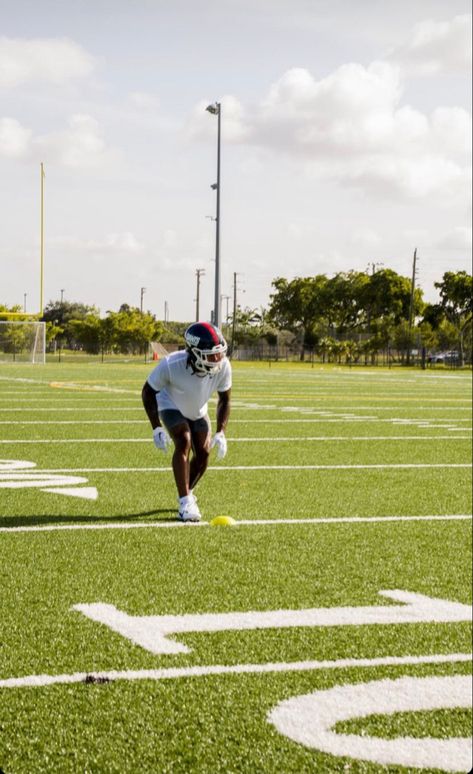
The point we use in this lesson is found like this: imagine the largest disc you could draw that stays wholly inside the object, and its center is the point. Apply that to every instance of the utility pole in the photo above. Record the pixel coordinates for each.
(235, 275)
(24, 301)
(143, 291)
(227, 299)
(373, 265)
(198, 273)
(411, 305)
(62, 294)
(166, 312)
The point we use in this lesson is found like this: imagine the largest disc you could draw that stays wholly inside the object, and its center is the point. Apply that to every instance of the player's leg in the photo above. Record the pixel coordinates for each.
(188, 508)
(181, 437)
(179, 429)
(201, 439)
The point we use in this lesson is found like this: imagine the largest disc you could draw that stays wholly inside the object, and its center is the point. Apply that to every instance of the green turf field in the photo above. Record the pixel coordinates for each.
(132, 643)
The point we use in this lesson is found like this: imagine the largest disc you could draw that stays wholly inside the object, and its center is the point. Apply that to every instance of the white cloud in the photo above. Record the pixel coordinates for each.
(14, 138)
(143, 100)
(51, 60)
(124, 242)
(351, 127)
(296, 231)
(366, 237)
(80, 145)
(451, 130)
(170, 238)
(438, 46)
(459, 238)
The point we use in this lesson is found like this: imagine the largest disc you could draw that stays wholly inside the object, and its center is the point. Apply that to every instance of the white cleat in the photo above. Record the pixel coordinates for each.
(189, 512)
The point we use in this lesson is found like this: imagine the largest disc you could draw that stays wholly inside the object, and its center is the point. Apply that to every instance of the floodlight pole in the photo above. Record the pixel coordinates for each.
(216, 109)
(41, 283)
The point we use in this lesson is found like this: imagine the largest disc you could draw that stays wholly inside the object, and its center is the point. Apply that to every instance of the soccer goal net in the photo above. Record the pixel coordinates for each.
(157, 350)
(22, 341)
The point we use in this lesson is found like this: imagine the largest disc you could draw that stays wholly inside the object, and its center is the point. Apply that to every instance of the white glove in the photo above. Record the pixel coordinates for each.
(220, 442)
(161, 439)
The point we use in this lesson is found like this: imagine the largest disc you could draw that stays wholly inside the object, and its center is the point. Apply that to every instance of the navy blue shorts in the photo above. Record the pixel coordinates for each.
(172, 417)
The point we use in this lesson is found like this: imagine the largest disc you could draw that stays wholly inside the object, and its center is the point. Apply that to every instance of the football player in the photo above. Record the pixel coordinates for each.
(175, 398)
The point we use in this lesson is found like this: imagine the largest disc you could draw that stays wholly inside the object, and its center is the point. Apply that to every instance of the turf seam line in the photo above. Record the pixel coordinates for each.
(38, 681)
(221, 468)
(243, 522)
(271, 439)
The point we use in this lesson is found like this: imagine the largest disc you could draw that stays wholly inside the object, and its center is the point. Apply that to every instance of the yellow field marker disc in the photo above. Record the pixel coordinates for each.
(222, 521)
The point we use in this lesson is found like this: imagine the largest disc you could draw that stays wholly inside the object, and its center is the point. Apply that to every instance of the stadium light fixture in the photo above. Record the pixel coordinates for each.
(216, 110)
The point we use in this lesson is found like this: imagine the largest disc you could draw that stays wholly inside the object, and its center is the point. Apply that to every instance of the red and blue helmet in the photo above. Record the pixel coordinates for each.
(206, 347)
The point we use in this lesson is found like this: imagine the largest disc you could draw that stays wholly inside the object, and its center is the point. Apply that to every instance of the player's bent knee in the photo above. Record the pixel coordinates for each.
(202, 457)
(182, 442)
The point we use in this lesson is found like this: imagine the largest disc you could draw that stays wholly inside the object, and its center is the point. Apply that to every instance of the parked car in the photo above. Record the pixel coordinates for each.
(452, 357)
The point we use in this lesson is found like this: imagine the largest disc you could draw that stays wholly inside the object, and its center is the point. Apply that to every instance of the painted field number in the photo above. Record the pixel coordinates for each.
(310, 720)
(153, 632)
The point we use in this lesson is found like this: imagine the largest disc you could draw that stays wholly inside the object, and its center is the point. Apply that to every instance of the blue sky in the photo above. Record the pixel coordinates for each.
(345, 142)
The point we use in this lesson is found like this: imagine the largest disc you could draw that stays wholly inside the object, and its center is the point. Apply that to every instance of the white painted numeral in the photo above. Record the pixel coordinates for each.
(309, 720)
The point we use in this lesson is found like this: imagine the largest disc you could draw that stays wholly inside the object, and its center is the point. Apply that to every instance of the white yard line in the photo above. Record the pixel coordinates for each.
(78, 409)
(296, 420)
(243, 522)
(39, 681)
(54, 422)
(266, 439)
(58, 401)
(333, 411)
(222, 468)
(352, 407)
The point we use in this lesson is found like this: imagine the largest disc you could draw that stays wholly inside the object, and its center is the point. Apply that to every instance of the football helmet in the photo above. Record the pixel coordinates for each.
(206, 347)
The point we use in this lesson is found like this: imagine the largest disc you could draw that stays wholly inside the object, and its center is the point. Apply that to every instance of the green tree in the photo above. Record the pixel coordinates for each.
(16, 310)
(388, 295)
(133, 330)
(15, 339)
(86, 332)
(456, 302)
(343, 303)
(298, 305)
(252, 326)
(403, 337)
(53, 332)
(428, 335)
(62, 313)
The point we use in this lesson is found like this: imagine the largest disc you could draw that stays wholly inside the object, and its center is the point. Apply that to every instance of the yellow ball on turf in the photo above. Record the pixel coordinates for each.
(222, 521)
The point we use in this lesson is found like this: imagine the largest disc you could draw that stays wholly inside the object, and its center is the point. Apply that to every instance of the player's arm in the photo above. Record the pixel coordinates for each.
(223, 410)
(149, 397)
(150, 403)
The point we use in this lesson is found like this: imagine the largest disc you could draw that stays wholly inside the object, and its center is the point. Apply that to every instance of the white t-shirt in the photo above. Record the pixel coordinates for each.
(182, 389)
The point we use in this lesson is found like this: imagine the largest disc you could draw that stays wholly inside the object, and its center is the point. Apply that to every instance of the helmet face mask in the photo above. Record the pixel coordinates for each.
(206, 348)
